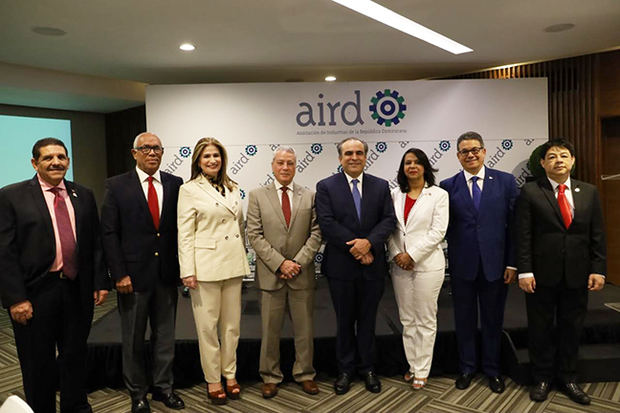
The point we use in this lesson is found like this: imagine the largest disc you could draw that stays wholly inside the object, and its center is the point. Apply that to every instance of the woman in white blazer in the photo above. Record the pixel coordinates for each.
(213, 262)
(417, 259)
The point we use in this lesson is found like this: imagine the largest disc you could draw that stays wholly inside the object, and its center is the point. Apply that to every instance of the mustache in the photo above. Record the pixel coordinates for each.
(56, 168)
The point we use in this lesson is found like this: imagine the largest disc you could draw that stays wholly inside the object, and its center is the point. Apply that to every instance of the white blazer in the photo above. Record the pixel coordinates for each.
(211, 235)
(425, 229)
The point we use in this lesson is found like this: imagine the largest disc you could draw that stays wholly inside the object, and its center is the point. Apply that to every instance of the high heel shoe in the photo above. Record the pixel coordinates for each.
(233, 391)
(217, 396)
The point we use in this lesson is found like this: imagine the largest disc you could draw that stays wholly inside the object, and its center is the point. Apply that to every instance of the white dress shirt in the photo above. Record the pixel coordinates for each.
(144, 181)
(359, 184)
(289, 190)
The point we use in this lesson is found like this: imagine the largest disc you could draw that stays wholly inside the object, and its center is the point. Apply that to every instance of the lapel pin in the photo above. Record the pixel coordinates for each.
(73, 193)
(577, 189)
(490, 177)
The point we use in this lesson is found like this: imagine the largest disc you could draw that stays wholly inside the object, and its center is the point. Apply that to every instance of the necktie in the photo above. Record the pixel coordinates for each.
(357, 198)
(475, 192)
(564, 206)
(153, 203)
(286, 206)
(65, 232)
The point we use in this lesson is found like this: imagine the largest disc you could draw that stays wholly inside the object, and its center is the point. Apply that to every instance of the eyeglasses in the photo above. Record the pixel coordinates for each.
(146, 149)
(474, 151)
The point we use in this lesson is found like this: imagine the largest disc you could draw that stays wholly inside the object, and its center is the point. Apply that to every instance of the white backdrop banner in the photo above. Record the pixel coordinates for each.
(251, 120)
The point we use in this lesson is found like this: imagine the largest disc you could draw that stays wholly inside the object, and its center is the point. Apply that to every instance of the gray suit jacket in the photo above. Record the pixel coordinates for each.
(273, 242)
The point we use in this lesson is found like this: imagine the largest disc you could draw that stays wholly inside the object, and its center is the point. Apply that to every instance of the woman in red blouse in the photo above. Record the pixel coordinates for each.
(417, 259)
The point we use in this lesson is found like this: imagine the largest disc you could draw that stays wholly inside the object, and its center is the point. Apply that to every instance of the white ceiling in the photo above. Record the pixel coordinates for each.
(284, 40)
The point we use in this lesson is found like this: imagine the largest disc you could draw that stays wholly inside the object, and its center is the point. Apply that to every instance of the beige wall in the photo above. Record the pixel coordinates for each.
(88, 142)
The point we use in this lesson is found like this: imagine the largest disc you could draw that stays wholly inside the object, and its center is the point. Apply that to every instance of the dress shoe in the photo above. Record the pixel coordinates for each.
(496, 384)
(342, 383)
(574, 392)
(464, 380)
(539, 392)
(269, 390)
(310, 387)
(140, 406)
(373, 384)
(171, 400)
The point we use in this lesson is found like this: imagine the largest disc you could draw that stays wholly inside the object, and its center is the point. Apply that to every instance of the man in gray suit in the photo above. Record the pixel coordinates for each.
(283, 230)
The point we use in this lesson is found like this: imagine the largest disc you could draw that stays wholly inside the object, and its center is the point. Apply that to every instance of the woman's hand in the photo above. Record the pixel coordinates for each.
(190, 282)
(404, 261)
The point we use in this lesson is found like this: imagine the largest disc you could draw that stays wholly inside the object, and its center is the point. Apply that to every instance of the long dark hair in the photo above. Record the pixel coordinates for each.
(429, 171)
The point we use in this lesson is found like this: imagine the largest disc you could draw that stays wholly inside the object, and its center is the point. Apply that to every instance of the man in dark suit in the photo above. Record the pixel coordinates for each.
(51, 273)
(481, 258)
(356, 216)
(139, 224)
(560, 256)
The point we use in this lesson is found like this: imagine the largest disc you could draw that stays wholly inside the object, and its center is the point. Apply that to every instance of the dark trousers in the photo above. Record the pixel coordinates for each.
(157, 307)
(356, 303)
(566, 308)
(60, 320)
(490, 297)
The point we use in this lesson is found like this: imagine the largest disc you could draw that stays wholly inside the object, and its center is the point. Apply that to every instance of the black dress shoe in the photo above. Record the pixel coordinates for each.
(574, 392)
(496, 384)
(464, 380)
(171, 400)
(539, 392)
(343, 383)
(140, 406)
(373, 384)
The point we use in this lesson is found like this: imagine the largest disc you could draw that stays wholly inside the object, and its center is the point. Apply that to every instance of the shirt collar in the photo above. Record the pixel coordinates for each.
(555, 185)
(349, 178)
(45, 186)
(480, 174)
(142, 176)
(279, 186)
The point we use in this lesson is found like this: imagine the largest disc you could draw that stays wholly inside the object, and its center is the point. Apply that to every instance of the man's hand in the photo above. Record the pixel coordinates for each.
(289, 269)
(404, 261)
(124, 285)
(190, 282)
(359, 247)
(100, 296)
(595, 282)
(21, 312)
(367, 259)
(509, 275)
(527, 284)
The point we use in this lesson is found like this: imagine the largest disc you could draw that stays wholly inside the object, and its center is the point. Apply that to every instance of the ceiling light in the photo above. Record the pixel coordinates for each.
(558, 27)
(388, 17)
(48, 31)
(187, 47)
(330, 78)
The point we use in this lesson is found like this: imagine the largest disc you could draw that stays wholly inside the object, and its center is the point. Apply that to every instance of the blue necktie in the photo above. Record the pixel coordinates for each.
(357, 198)
(475, 192)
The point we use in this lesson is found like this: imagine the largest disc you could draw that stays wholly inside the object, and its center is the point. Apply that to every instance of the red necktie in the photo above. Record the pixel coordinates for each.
(286, 206)
(153, 203)
(564, 206)
(65, 232)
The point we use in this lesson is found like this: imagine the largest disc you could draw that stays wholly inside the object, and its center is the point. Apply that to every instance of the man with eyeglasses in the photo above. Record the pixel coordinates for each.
(481, 258)
(139, 225)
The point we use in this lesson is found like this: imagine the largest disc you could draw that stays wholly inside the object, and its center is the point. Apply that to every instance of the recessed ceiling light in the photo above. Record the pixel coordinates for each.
(187, 47)
(390, 18)
(330, 78)
(48, 31)
(558, 27)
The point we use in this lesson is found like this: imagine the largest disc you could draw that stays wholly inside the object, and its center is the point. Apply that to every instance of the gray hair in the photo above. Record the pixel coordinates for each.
(283, 149)
(137, 139)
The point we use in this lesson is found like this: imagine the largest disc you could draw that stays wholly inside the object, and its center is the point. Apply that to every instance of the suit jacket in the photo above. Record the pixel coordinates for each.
(211, 236)
(339, 223)
(28, 245)
(549, 250)
(488, 232)
(274, 242)
(426, 227)
(131, 243)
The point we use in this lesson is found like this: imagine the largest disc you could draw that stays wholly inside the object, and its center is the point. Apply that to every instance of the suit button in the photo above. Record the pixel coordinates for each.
(217, 204)
(158, 235)
(236, 235)
(156, 254)
(223, 221)
(226, 237)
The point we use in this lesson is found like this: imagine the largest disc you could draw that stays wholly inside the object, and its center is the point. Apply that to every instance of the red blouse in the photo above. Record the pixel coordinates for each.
(409, 202)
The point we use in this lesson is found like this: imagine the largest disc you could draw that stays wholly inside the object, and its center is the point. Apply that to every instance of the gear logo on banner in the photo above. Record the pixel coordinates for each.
(251, 150)
(185, 151)
(381, 147)
(444, 146)
(507, 144)
(316, 148)
(242, 193)
(387, 107)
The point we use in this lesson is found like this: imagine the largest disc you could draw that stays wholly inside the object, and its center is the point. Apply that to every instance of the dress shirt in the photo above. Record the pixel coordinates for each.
(49, 201)
(144, 181)
(290, 193)
(359, 184)
(480, 182)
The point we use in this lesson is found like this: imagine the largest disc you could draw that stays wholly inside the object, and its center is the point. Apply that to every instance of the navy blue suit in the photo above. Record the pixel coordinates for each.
(355, 288)
(480, 246)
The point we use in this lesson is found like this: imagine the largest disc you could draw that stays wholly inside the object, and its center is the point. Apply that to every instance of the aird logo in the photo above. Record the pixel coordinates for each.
(387, 107)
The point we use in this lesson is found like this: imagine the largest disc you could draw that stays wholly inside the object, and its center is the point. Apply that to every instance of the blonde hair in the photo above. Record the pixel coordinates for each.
(222, 177)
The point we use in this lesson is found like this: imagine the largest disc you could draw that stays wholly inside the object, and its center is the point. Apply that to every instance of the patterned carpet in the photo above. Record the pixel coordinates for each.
(439, 395)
